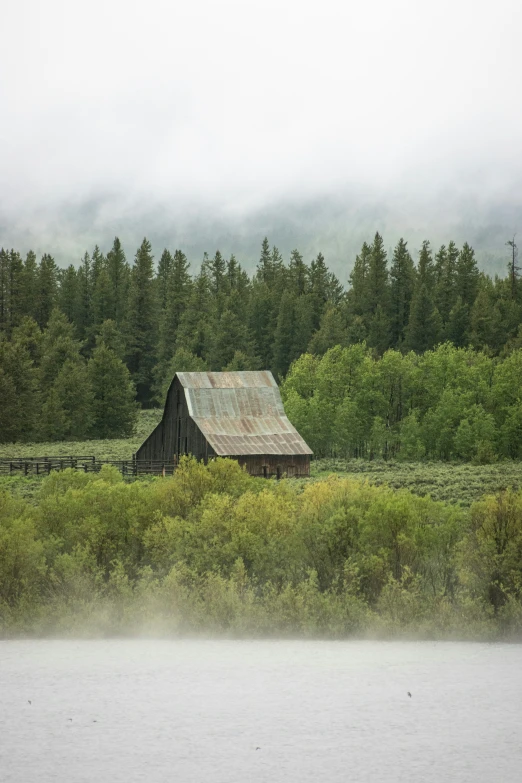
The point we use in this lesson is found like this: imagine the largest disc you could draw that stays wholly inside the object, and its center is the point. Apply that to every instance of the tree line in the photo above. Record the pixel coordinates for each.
(160, 319)
(50, 391)
(447, 403)
(214, 550)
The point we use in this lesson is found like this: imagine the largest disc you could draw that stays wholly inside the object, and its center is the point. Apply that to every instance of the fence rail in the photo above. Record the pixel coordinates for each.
(42, 466)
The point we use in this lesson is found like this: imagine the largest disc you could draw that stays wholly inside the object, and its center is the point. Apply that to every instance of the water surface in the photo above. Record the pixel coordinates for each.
(227, 711)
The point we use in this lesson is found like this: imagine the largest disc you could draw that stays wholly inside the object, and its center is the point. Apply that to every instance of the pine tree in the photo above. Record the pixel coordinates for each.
(19, 394)
(466, 276)
(440, 265)
(216, 270)
(176, 302)
(119, 276)
(445, 267)
(47, 289)
(53, 422)
(9, 424)
(11, 290)
(71, 402)
(457, 330)
(4, 290)
(486, 321)
(114, 408)
(29, 334)
(284, 335)
(142, 328)
(102, 307)
(16, 292)
(238, 289)
(513, 269)
(402, 276)
(232, 274)
(319, 288)
(424, 326)
(109, 334)
(378, 279)
(264, 271)
(426, 268)
(358, 295)
(30, 285)
(162, 278)
(379, 332)
(98, 262)
(182, 361)
(58, 346)
(303, 324)
(83, 317)
(298, 273)
(331, 332)
(231, 335)
(335, 291)
(241, 362)
(261, 322)
(68, 292)
(197, 322)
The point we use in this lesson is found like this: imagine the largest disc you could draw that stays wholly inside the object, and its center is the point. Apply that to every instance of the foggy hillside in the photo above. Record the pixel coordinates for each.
(335, 225)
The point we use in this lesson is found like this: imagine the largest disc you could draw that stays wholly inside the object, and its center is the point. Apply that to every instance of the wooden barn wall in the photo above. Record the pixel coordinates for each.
(270, 465)
(177, 434)
(152, 449)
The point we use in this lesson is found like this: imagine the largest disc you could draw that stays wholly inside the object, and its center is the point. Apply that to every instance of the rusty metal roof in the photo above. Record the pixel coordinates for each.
(241, 413)
(226, 380)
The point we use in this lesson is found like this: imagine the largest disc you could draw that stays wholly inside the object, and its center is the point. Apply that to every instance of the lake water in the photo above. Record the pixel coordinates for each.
(245, 711)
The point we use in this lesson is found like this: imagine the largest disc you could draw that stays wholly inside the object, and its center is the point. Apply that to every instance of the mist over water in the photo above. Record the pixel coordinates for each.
(225, 711)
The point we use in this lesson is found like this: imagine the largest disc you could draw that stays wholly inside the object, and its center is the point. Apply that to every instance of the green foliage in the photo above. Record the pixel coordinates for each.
(46, 289)
(182, 361)
(114, 409)
(156, 320)
(142, 318)
(446, 404)
(212, 549)
(19, 393)
(460, 483)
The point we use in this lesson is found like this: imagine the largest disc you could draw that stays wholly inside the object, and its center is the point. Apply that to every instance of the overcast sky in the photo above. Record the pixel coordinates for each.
(203, 121)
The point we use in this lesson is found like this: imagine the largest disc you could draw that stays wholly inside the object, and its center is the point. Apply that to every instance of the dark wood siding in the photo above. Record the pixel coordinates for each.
(270, 465)
(176, 434)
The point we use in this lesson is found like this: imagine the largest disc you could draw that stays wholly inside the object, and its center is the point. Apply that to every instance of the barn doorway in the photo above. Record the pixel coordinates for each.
(265, 471)
(278, 472)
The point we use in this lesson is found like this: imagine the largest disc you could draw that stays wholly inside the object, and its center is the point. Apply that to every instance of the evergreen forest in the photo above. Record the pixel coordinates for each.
(417, 358)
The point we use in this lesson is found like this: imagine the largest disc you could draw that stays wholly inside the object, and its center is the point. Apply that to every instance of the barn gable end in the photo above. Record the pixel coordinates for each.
(229, 414)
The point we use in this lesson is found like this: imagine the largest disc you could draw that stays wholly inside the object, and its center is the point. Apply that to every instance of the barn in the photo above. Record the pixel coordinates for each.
(228, 414)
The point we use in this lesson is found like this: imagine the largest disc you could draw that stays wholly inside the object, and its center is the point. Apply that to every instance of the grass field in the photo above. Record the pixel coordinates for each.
(117, 449)
(450, 482)
(460, 483)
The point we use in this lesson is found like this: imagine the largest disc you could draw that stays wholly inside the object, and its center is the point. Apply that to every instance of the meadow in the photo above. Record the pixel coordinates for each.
(109, 449)
(458, 482)
(451, 482)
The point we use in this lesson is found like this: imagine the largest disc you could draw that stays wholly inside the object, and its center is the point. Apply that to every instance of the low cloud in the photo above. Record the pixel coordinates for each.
(213, 124)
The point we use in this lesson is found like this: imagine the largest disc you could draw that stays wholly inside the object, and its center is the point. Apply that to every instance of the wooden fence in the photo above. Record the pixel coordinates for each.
(42, 466)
